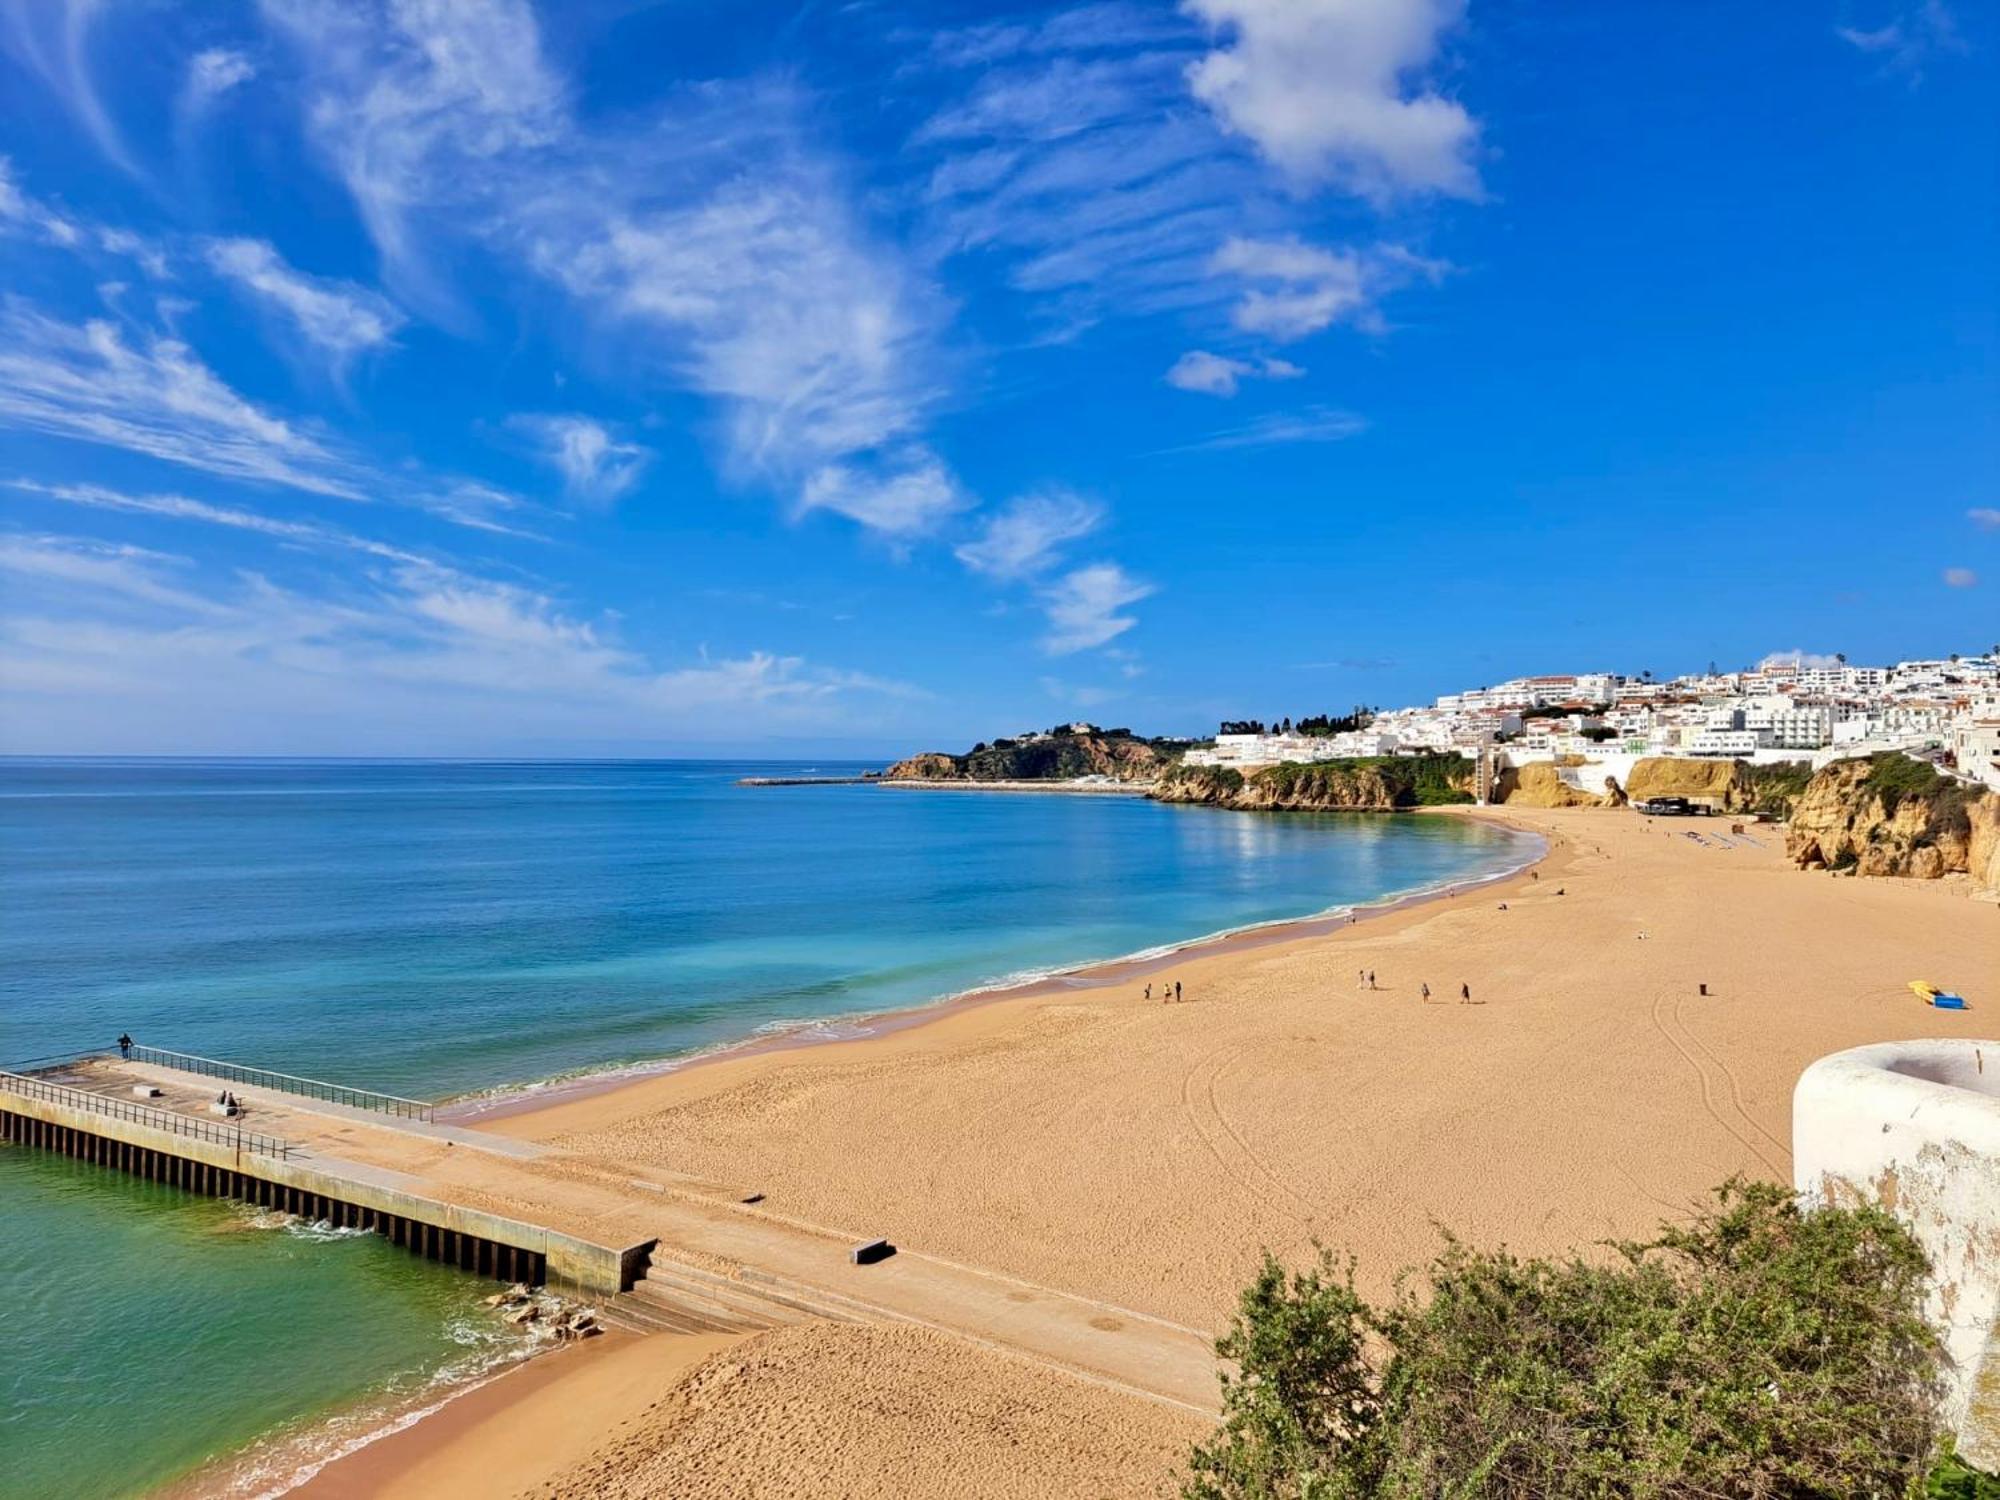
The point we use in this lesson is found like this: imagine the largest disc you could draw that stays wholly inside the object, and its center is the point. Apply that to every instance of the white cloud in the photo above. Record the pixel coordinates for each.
(54, 38)
(717, 243)
(337, 317)
(595, 466)
(905, 498)
(115, 648)
(419, 95)
(214, 72)
(1313, 424)
(108, 573)
(156, 397)
(1294, 289)
(1960, 578)
(1026, 537)
(1798, 658)
(1985, 517)
(1908, 41)
(22, 214)
(1083, 607)
(1323, 89)
(183, 508)
(86, 383)
(1216, 375)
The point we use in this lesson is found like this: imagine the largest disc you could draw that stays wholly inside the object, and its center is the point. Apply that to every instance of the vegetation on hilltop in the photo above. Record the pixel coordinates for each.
(1318, 725)
(1063, 753)
(1888, 814)
(1764, 1350)
(1775, 787)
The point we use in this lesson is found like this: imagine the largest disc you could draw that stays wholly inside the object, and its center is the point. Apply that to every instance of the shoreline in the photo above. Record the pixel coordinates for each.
(526, 1098)
(408, 1431)
(1594, 1085)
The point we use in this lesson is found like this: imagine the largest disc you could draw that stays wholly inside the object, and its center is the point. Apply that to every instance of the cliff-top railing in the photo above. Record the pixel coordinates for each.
(212, 1131)
(287, 1083)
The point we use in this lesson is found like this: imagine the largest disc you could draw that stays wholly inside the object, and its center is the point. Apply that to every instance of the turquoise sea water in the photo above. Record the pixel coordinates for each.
(433, 929)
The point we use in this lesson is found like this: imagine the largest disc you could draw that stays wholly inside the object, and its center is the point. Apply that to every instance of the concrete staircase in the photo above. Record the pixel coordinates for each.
(676, 1297)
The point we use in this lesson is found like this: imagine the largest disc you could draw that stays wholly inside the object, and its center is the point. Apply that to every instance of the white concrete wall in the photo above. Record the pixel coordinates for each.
(1915, 1127)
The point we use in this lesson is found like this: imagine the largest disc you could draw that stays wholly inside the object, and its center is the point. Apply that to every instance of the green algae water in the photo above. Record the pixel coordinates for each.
(432, 929)
(150, 1332)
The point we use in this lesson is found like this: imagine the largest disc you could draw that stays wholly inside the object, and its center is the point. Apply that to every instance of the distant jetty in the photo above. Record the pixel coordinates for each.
(867, 778)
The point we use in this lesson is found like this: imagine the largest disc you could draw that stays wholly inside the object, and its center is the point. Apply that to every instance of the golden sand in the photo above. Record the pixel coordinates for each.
(1147, 1154)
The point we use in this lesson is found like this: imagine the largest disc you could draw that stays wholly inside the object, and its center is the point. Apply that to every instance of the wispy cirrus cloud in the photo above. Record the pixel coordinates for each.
(1986, 517)
(156, 397)
(172, 507)
(21, 214)
(151, 394)
(1960, 578)
(1085, 607)
(1910, 40)
(337, 318)
(1028, 535)
(1313, 424)
(714, 241)
(595, 465)
(54, 39)
(1334, 92)
(366, 663)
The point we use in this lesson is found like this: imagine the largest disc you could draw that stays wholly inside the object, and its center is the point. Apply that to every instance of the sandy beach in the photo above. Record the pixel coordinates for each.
(1143, 1154)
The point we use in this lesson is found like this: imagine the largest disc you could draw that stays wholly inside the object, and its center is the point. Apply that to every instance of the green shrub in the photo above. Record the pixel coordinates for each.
(1762, 1351)
(1775, 787)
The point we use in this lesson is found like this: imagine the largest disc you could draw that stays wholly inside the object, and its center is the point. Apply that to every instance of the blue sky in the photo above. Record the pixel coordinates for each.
(475, 377)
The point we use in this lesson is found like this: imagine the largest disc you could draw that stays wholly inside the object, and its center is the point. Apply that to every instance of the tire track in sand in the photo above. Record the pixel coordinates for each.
(1223, 1158)
(1729, 1074)
(1708, 1092)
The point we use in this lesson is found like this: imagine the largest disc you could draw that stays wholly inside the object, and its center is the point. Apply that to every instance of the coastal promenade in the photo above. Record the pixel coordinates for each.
(663, 1251)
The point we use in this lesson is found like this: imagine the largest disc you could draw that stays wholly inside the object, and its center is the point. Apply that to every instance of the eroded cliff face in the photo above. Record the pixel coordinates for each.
(1727, 782)
(1540, 784)
(1054, 758)
(1372, 785)
(1878, 817)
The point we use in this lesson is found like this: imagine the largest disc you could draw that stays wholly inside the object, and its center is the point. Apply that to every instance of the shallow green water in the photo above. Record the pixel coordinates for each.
(148, 1331)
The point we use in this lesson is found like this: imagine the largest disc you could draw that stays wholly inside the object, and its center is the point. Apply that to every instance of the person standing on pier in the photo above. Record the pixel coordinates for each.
(125, 1044)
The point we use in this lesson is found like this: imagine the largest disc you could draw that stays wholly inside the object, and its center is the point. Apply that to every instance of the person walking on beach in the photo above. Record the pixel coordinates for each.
(1149, 992)
(1371, 979)
(1177, 992)
(1427, 992)
(1361, 979)
(1465, 994)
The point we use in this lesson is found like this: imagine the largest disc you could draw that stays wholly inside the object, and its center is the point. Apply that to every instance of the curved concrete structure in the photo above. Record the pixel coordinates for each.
(1915, 1127)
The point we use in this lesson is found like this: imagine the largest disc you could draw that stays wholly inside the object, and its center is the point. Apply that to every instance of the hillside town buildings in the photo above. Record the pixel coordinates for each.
(1796, 709)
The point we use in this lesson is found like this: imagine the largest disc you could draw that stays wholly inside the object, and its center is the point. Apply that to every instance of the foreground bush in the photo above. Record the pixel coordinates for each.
(1760, 1352)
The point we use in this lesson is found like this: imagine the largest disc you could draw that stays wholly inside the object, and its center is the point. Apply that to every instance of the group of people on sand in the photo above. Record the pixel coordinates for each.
(1170, 991)
(1464, 990)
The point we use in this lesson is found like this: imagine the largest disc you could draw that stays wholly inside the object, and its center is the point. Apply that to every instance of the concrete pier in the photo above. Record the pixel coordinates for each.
(76, 1111)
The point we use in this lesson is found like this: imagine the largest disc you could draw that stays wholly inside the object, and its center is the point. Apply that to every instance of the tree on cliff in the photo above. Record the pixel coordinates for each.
(1763, 1351)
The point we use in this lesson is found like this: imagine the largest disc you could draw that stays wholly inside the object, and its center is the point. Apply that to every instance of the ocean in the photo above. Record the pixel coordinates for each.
(437, 929)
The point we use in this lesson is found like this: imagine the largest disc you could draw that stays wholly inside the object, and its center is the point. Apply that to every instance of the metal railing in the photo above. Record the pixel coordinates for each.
(287, 1083)
(234, 1138)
